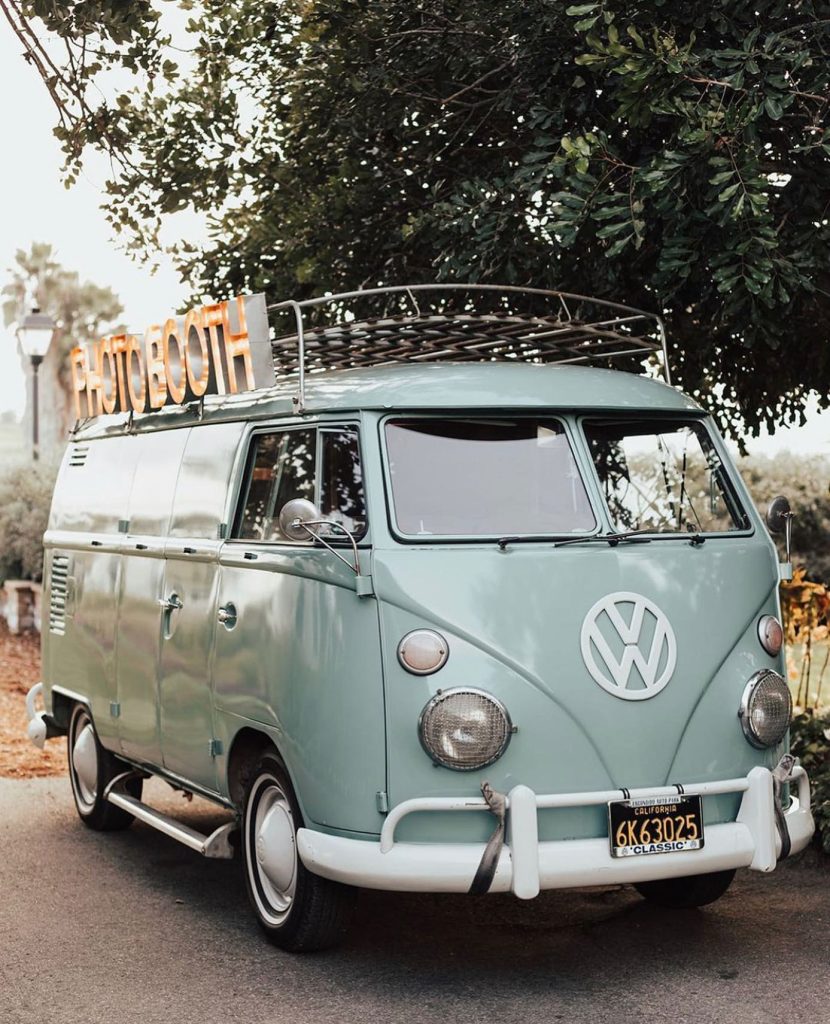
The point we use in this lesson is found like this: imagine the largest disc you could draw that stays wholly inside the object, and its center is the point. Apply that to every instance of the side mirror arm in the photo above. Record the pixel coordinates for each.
(780, 520)
(364, 586)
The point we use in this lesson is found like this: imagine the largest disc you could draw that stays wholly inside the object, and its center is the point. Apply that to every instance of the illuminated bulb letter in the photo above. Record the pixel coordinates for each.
(173, 351)
(237, 345)
(109, 380)
(136, 374)
(156, 379)
(77, 371)
(198, 354)
(212, 319)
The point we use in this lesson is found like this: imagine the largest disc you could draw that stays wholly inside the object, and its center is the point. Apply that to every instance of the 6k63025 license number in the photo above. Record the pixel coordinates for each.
(667, 825)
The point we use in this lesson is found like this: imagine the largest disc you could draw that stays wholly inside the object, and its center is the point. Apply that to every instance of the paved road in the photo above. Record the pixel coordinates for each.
(131, 927)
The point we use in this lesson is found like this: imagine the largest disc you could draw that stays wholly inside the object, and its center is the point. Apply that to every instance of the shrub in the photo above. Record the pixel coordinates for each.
(25, 497)
(810, 741)
(804, 480)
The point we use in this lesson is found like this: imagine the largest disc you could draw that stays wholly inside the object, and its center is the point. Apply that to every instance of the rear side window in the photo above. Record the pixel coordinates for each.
(320, 465)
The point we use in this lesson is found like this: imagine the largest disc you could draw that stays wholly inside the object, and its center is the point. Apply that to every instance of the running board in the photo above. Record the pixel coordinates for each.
(217, 845)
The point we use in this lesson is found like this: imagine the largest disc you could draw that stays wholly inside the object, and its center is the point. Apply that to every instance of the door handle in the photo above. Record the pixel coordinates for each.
(172, 603)
(228, 615)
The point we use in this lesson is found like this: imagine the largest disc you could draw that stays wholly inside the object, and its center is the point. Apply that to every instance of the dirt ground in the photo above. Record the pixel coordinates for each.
(19, 668)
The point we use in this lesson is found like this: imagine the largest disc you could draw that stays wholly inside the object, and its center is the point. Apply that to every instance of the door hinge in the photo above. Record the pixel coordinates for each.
(382, 801)
(216, 748)
(115, 709)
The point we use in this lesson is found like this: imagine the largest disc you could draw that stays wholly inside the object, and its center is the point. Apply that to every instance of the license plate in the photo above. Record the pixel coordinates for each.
(637, 828)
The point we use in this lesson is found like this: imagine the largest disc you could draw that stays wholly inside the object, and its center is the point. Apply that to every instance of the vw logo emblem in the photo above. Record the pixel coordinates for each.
(628, 646)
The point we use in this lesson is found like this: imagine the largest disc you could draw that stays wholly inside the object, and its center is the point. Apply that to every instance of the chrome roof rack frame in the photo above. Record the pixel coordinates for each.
(559, 327)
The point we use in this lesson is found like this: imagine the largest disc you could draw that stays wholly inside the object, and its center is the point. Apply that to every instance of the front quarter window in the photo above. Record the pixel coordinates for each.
(663, 476)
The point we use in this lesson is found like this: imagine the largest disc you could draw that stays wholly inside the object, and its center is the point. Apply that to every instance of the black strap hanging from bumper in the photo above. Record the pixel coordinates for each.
(497, 803)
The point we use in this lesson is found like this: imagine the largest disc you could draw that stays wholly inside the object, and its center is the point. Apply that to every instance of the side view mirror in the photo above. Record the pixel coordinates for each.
(779, 514)
(294, 515)
(780, 520)
(298, 521)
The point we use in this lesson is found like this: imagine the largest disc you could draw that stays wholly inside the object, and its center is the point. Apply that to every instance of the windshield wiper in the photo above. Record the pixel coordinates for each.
(631, 537)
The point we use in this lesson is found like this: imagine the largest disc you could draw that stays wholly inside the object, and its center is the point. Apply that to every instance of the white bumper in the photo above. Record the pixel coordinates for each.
(37, 728)
(527, 865)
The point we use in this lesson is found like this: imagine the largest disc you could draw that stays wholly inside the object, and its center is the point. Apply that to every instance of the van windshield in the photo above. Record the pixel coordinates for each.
(485, 477)
(663, 475)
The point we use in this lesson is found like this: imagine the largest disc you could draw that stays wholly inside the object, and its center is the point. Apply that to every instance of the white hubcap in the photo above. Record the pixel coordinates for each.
(275, 846)
(85, 763)
(272, 853)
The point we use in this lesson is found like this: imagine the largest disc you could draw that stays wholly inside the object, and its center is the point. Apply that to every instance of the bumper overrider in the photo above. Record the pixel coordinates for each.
(525, 865)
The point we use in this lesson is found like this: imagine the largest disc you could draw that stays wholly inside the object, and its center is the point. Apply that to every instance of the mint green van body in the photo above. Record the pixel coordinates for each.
(194, 642)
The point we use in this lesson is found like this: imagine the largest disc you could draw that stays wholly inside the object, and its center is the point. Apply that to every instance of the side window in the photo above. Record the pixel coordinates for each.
(341, 482)
(284, 465)
(282, 468)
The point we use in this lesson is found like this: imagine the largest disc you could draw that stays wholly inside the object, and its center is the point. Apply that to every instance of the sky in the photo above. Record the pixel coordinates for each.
(35, 207)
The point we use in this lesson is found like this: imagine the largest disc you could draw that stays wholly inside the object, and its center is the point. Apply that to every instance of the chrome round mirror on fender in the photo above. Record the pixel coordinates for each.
(778, 513)
(293, 514)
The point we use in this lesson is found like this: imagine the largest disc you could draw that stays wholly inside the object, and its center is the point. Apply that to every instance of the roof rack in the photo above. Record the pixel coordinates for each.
(466, 323)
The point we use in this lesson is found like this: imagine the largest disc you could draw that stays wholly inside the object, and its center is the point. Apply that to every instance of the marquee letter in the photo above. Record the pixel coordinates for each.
(156, 379)
(77, 371)
(175, 370)
(106, 367)
(212, 318)
(237, 345)
(136, 377)
(198, 355)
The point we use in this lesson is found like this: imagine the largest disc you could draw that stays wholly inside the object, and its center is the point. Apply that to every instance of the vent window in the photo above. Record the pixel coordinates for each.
(57, 594)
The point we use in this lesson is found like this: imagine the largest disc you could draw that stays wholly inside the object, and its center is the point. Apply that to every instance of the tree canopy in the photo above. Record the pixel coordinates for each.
(672, 156)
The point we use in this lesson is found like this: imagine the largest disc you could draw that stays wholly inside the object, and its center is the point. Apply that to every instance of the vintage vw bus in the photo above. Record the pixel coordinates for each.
(435, 612)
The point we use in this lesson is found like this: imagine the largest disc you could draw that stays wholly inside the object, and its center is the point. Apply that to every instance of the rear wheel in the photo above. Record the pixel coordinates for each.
(91, 770)
(297, 910)
(688, 892)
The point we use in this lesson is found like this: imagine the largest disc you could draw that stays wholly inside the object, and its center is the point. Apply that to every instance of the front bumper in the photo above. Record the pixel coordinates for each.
(525, 865)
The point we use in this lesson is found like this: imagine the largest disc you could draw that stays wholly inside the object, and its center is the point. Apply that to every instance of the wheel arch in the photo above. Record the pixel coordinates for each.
(246, 748)
(62, 704)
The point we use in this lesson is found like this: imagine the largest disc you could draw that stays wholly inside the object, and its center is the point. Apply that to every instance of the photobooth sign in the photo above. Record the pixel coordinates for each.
(219, 349)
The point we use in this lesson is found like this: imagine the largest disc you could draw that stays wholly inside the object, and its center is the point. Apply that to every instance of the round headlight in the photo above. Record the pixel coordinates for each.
(766, 709)
(771, 634)
(423, 651)
(464, 729)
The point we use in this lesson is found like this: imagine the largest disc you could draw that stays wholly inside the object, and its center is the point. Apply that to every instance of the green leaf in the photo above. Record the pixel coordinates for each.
(577, 10)
(635, 35)
(618, 247)
(728, 192)
(612, 229)
(773, 107)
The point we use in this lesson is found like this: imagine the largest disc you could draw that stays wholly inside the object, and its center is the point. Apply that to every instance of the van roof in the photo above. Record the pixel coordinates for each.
(423, 386)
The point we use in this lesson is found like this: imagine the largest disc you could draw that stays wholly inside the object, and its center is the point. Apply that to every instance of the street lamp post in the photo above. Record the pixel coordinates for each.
(35, 332)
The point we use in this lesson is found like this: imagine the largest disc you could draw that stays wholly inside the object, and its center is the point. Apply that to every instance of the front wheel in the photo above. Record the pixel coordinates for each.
(296, 909)
(91, 769)
(688, 892)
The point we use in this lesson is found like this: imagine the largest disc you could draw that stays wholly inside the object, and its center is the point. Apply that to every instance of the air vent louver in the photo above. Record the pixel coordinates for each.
(78, 454)
(57, 594)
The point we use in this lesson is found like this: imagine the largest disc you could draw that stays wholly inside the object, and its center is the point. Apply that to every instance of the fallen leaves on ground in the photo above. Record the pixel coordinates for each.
(19, 669)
